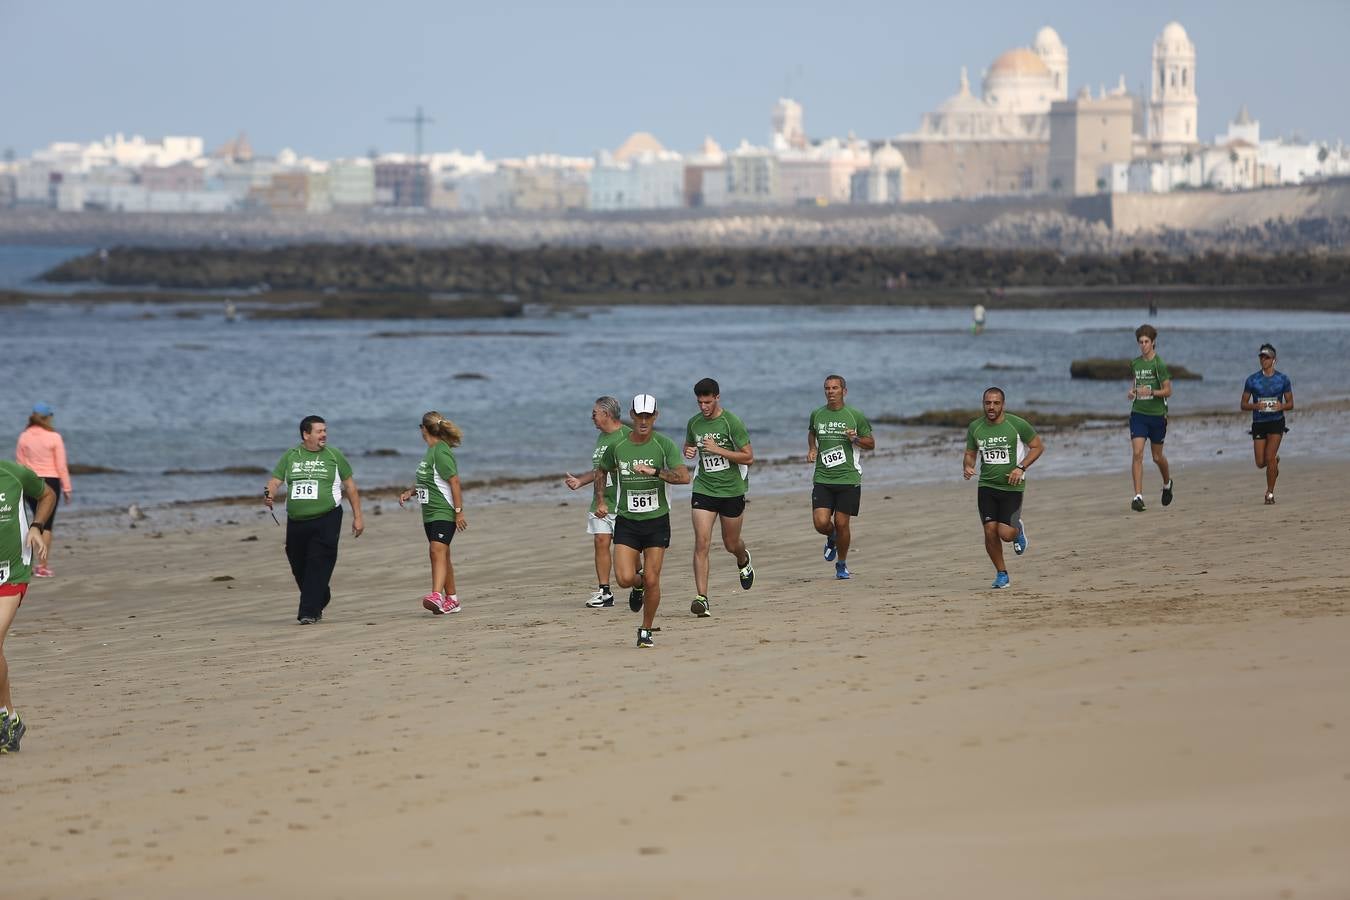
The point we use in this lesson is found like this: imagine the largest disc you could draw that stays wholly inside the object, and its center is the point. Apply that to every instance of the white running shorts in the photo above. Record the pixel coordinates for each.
(596, 525)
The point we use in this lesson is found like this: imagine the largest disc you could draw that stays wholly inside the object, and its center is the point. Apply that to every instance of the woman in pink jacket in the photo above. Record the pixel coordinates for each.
(41, 449)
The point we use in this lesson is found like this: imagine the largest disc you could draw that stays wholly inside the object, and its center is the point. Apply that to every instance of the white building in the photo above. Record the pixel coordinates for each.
(883, 179)
(1173, 118)
(351, 182)
(641, 174)
(822, 174)
(752, 176)
(119, 150)
(786, 124)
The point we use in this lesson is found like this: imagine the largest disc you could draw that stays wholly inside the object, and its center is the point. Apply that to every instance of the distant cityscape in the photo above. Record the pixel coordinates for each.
(1023, 135)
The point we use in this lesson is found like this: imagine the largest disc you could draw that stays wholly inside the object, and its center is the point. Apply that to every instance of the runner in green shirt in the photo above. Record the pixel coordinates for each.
(1006, 446)
(643, 463)
(21, 544)
(605, 417)
(1148, 413)
(437, 490)
(315, 475)
(717, 439)
(835, 434)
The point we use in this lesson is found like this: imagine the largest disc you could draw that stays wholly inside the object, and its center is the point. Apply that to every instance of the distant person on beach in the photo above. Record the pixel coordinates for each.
(41, 449)
(605, 417)
(718, 442)
(1005, 446)
(437, 490)
(315, 475)
(642, 462)
(21, 545)
(1148, 413)
(977, 319)
(1269, 395)
(834, 435)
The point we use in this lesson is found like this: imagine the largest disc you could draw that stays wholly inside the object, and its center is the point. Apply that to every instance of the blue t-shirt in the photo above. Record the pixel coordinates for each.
(1265, 387)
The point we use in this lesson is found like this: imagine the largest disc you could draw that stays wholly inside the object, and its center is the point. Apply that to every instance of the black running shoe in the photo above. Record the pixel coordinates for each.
(635, 599)
(700, 606)
(748, 573)
(1137, 504)
(644, 638)
(1167, 494)
(13, 734)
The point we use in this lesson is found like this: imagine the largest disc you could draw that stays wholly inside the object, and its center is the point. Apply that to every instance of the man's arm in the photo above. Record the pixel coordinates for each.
(575, 481)
(354, 497)
(968, 464)
(1035, 447)
(270, 491)
(1165, 390)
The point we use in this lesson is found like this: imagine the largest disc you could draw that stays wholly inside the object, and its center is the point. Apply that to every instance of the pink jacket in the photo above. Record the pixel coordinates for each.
(44, 452)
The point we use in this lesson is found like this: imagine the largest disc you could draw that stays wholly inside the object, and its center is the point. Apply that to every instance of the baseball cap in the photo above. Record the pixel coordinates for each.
(1267, 350)
(43, 409)
(644, 404)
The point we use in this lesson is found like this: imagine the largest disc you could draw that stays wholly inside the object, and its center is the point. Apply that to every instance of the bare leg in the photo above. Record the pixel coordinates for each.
(823, 519)
(8, 607)
(995, 533)
(703, 525)
(442, 571)
(603, 557)
(1161, 462)
(652, 558)
(1272, 443)
(1137, 463)
(842, 534)
(626, 566)
(1259, 452)
(731, 539)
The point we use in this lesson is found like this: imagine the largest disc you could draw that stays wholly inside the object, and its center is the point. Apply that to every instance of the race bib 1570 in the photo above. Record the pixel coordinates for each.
(996, 456)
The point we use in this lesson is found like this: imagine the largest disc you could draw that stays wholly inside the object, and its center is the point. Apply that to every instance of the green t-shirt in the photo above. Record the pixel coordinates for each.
(603, 443)
(433, 483)
(16, 559)
(641, 496)
(1150, 373)
(314, 480)
(717, 476)
(1001, 448)
(837, 459)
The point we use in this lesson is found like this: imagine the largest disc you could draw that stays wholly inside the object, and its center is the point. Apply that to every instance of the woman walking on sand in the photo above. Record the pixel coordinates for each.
(41, 449)
(437, 489)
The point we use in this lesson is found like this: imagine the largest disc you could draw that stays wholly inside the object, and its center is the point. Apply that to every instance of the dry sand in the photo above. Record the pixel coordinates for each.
(1156, 709)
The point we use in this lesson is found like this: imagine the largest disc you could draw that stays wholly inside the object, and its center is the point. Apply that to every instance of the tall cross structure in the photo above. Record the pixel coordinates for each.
(417, 121)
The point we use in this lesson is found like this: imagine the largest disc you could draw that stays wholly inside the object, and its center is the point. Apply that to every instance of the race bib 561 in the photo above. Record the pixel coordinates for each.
(643, 501)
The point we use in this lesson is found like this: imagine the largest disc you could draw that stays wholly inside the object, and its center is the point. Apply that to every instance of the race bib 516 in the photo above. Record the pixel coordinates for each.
(305, 490)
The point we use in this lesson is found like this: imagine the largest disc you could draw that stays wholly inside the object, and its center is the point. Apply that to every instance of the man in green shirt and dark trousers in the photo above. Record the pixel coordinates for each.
(1006, 446)
(315, 475)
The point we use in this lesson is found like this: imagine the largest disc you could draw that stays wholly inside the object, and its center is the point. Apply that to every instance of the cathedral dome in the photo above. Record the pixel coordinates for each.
(1019, 62)
(1047, 41)
(638, 144)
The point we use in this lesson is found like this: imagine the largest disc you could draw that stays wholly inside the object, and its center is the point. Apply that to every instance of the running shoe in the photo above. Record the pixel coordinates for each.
(830, 552)
(700, 606)
(433, 602)
(600, 600)
(1020, 542)
(1137, 504)
(4, 729)
(841, 571)
(644, 638)
(42, 572)
(1167, 494)
(450, 605)
(747, 573)
(307, 620)
(1001, 580)
(14, 731)
(1270, 498)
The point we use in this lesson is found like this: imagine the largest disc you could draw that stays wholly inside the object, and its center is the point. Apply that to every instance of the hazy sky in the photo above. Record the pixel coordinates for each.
(509, 78)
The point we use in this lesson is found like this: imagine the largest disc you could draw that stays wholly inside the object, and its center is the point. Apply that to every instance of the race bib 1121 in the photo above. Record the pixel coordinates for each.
(714, 463)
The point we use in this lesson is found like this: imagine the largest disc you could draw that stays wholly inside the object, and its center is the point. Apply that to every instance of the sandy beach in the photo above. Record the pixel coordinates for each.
(1156, 709)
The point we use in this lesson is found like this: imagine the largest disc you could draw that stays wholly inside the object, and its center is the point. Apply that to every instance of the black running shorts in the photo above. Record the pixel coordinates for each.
(730, 507)
(1274, 426)
(841, 498)
(999, 506)
(642, 533)
(440, 532)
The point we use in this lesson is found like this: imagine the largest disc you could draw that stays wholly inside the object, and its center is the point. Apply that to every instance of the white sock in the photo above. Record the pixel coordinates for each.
(454, 597)
(4, 712)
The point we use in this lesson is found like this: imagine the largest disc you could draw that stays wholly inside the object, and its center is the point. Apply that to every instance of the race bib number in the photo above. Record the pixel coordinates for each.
(1143, 392)
(4, 572)
(831, 458)
(423, 495)
(714, 463)
(996, 456)
(643, 501)
(305, 490)
(1269, 404)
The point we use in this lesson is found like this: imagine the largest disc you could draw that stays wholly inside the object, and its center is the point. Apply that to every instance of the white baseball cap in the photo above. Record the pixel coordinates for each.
(644, 404)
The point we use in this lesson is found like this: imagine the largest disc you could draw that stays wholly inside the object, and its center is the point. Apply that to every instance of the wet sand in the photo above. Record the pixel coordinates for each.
(1156, 708)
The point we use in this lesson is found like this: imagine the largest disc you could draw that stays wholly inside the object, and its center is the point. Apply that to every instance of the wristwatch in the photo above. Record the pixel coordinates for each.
(459, 509)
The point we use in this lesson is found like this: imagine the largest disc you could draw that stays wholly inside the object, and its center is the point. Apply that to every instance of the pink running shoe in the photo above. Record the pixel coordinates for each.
(450, 605)
(433, 602)
(42, 572)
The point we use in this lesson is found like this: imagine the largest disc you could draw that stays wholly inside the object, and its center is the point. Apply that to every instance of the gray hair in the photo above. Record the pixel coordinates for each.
(609, 406)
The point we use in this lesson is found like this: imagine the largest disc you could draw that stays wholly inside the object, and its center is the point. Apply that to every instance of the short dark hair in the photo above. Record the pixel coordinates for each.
(1147, 331)
(308, 422)
(1270, 347)
(839, 378)
(996, 390)
(707, 387)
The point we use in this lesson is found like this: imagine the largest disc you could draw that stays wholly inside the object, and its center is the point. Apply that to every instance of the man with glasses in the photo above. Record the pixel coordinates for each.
(315, 475)
(605, 417)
